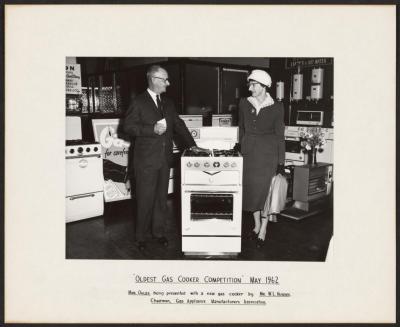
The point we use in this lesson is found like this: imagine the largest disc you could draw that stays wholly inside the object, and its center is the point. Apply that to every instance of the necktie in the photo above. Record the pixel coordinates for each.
(159, 106)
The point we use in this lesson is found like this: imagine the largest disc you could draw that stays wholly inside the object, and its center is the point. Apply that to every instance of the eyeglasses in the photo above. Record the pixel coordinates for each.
(165, 80)
(252, 84)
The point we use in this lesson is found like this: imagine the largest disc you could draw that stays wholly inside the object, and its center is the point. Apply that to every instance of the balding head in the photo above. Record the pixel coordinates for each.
(157, 79)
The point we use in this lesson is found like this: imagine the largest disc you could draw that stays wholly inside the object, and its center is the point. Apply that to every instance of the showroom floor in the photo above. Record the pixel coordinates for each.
(111, 236)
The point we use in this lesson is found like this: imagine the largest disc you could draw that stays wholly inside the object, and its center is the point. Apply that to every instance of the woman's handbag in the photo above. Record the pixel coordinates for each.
(276, 198)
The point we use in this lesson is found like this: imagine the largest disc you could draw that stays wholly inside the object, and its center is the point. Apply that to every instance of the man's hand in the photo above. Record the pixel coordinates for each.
(197, 149)
(159, 129)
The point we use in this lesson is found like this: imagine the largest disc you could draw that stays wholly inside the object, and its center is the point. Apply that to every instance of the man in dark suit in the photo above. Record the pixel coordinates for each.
(152, 121)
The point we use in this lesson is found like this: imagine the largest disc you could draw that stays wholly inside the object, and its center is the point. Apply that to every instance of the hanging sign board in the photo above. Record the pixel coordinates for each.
(114, 152)
(73, 79)
(307, 62)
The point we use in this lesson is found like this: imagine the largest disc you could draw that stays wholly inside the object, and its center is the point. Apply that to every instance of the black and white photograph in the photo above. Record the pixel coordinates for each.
(199, 158)
(199, 163)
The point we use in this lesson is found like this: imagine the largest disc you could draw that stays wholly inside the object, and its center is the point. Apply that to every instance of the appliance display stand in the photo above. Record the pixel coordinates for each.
(312, 186)
(297, 211)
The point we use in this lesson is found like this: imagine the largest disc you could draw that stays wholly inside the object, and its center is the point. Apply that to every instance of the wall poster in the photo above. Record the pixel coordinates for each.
(114, 152)
(73, 79)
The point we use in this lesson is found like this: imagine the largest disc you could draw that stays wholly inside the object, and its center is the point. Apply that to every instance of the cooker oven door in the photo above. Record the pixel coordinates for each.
(211, 206)
(84, 175)
(84, 188)
(211, 213)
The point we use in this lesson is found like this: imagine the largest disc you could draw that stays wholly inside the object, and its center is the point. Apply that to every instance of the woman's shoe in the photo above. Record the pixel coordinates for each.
(273, 218)
(252, 235)
(260, 243)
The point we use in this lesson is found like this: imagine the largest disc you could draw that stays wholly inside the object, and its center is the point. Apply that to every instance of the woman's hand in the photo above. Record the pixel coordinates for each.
(280, 169)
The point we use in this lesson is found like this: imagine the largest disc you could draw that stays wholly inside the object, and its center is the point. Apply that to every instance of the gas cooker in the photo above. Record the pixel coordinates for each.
(211, 191)
(78, 148)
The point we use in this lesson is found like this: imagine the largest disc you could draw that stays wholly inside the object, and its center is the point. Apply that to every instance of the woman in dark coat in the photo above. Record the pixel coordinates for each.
(262, 143)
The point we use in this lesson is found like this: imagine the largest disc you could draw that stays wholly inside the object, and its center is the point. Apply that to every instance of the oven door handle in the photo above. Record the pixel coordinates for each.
(84, 156)
(82, 196)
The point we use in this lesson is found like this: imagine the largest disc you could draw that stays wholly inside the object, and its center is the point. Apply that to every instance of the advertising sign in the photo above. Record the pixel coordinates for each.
(307, 62)
(73, 79)
(114, 152)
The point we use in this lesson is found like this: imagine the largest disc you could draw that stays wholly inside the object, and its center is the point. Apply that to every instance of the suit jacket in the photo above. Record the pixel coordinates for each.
(149, 147)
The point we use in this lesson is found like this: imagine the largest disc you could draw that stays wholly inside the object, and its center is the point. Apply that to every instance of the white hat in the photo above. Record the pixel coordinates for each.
(260, 76)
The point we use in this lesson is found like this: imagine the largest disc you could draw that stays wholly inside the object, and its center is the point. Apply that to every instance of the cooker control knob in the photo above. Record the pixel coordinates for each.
(71, 151)
(216, 164)
(206, 164)
(196, 164)
(87, 149)
(80, 149)
(189, 164)
(95, 149)
(226, 164)
(233, 164)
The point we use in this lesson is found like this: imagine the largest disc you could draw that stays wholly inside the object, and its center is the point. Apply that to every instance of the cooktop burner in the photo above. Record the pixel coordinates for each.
(191, 153)
(78, 148)
(225, 153)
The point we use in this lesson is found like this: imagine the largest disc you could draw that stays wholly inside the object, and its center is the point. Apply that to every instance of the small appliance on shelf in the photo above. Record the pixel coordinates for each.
(223, 120)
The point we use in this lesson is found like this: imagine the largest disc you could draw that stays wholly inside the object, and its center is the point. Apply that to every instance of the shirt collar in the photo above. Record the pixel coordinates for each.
(268, 101)
(153, 94)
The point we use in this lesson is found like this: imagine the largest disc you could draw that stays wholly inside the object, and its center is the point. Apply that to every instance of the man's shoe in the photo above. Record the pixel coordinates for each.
(252, 235)
(163, 241)
(260, 243)
(141, 246)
